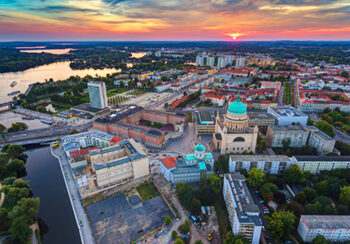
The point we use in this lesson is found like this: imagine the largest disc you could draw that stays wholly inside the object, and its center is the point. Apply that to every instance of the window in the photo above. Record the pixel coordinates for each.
(239, 139)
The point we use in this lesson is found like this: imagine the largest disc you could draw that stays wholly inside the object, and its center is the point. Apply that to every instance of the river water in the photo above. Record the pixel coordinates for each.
(46, 181)
(56, 71)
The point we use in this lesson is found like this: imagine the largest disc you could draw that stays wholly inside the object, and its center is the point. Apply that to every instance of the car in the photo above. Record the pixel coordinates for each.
(264, 207)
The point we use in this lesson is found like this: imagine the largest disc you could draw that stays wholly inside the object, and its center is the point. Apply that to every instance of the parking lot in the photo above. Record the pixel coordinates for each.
(120, 219)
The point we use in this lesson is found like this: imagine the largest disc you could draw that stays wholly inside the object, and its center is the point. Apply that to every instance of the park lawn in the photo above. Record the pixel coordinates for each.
(147, 191)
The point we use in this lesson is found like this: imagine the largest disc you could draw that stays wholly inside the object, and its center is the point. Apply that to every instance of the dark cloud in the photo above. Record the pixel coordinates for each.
(60, 9)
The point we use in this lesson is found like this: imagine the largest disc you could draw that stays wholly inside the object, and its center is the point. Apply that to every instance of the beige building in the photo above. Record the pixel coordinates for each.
(232, 132)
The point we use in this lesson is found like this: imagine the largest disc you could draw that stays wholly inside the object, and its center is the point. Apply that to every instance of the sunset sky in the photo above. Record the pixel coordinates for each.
(139, 20)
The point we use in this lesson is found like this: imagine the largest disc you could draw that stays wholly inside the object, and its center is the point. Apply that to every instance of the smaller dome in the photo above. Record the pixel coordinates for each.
(237, 107)
(199, 147)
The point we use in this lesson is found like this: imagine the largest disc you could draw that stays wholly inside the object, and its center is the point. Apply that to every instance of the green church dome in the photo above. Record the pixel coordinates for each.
(237, 107)
(199, 147)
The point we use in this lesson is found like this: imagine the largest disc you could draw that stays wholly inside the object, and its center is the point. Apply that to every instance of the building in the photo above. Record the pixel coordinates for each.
(275, 164)
(221, 62)
(242, 212)
(205, 122)
(100, 161)
(316, 164)
(97, 94)
(288, 115)
(240, 62)
(232, 132)
(151, 127)
(217, 100)
(300, 136)
(260, 119)
(269, 164)
(335, 228)
(297, 134)
(189, 168)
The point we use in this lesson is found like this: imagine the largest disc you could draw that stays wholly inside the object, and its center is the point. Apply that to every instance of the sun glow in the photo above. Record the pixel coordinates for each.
(235, 35)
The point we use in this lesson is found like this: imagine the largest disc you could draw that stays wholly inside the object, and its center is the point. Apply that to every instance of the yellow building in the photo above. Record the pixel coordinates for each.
(232, 132)
(144, 76)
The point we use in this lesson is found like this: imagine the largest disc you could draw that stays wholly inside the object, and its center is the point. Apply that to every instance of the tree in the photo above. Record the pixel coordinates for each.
(319, 240)
(221, 164)
(195, 207)
(344, 196)
(310, 193)
(296, 208)
(185, 228)
(215, 182)
(231, 238)
(15, 165)
(281, 224)
(293, 174)
(28, 207)
(261, 144)
(14, 150)
(174, 234)
(325, 127)
(301, 197)
(18, 126)
(198, 242)
(19, 229)
(167, 220)
(74, 131)
(256, 177)
(179, 241)
(309, 121)
(322, 188)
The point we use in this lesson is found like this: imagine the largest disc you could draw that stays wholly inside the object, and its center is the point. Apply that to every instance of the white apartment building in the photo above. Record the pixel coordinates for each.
(221, 62)
(276, 164)
(97, 94)
(287, 115)
(240, 62)
(243, 213)
(335, 228)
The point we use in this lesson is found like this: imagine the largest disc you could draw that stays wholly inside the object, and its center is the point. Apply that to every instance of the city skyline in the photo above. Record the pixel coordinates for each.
(156, 20)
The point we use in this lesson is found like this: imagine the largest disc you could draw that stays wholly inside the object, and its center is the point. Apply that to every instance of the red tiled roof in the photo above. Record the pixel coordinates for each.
(116, 139)
(81, 152)
(169, 162)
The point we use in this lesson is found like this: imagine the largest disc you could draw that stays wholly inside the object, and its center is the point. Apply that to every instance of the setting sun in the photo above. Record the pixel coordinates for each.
(235, 35)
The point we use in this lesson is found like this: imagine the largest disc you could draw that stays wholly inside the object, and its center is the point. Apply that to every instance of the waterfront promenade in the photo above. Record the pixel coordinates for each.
(81, 218)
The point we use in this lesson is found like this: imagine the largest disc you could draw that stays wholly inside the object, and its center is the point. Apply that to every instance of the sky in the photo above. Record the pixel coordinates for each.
(174, 20)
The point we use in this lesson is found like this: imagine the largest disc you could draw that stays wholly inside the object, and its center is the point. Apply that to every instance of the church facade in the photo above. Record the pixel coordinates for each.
(232, 132)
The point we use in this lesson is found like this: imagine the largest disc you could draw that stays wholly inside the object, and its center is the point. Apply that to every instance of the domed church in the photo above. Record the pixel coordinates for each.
(232, 133)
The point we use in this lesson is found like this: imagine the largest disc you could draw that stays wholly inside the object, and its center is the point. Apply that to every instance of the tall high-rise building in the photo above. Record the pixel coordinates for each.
(240, 62)
(97, 94)
(221, 62)
(229, 59)
(211, 61)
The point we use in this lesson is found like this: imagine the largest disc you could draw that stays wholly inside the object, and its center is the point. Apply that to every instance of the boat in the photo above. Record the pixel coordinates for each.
(13, 83)
(13, 93)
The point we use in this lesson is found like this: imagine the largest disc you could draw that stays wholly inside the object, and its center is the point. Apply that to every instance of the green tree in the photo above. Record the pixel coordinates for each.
(179, 241)
(280, 224)
(15, 165)
(261, 144)
(19, 229)
(325, 127)
(174, 234)
(310, 193)
(256, 177)
(293, 174)
(195, 207)
(198, 242)
(301, 197)
(322, 188)
(231, 238)
(14, 150)
(344, 196)
(28, 207)
(186, 226)
(221, 164)
(319, 240)
(215, 182)
(167, 220)
(310, 121)
(74, 131)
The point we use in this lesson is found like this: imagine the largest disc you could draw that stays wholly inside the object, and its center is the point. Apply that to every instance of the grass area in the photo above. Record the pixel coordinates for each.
(157, 126)
(222, 216)
(147, 191)
(115, 91)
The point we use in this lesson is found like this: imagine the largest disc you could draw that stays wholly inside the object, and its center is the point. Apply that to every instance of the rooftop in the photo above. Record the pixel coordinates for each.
(326, 221)
(287, 111)
(169, 162)
(256, 158)
(323, 158)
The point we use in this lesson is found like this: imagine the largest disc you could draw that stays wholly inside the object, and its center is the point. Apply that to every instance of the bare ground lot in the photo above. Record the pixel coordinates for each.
(120, 219)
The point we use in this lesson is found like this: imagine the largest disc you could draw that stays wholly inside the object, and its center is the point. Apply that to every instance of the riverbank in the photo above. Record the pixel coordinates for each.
(81, 219)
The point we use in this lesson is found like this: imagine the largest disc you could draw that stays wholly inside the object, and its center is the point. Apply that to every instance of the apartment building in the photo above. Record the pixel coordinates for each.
(335, 228)
(316, 164)
(243, 213)
(287, 115)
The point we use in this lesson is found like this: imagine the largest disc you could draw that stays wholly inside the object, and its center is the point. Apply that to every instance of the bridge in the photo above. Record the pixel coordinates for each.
(40, 136)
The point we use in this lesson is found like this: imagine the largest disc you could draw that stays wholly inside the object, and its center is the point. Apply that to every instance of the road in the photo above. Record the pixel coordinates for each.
(44, 133)
(280, 96)
(185, 143)
(74, 197)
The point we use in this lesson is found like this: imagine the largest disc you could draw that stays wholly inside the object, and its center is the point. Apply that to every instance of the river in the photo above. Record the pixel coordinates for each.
(47, 183)
(56, 71)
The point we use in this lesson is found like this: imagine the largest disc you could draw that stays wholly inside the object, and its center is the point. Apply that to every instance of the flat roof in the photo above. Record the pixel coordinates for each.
(326, 221)
(288, 111)
(255, 158)
(244, 203)
(323, 158)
